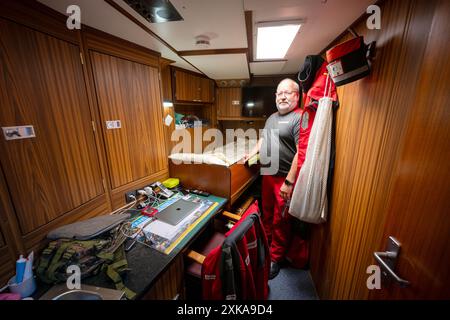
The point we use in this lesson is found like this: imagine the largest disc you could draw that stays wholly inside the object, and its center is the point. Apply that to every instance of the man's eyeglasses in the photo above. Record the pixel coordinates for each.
(285, 93)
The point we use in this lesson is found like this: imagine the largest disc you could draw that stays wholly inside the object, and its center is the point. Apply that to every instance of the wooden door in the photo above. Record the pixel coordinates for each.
(372, 157)
(419, 206)
(129, 92)
(42, 85)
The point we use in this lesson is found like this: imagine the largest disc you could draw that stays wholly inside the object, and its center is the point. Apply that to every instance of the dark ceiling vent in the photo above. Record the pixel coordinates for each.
(155, 11)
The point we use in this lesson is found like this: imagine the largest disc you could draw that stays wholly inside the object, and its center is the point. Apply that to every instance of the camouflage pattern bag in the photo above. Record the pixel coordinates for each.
(62, 253)
(91, 256)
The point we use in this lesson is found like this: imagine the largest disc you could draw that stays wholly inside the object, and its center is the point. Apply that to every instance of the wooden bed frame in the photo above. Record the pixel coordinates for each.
(227, 182)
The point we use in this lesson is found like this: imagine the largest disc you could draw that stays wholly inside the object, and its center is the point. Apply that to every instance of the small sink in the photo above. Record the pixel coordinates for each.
(78, 295)
(61, 292)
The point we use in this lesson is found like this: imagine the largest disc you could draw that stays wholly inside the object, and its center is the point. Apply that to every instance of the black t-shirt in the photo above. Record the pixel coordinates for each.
(288, 128)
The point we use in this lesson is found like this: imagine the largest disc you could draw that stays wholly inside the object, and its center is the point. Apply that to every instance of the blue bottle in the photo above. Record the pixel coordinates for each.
(20, 268)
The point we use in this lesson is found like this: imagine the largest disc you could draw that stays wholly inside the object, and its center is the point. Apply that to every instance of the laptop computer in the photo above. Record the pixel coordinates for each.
(177, 211)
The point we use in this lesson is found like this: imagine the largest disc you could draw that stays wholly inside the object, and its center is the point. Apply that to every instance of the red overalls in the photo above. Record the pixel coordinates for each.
(276, 219)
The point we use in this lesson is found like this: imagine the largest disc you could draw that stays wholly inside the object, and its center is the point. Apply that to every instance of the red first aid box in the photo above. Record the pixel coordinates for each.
(347, 61)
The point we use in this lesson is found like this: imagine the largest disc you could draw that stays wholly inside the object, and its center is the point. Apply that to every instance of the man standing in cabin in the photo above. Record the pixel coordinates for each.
(279, 142)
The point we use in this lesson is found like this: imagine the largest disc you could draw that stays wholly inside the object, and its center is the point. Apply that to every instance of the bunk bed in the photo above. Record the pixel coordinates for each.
(219, 172)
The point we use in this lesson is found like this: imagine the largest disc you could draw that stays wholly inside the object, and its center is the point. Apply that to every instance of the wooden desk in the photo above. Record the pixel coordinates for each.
(155, 275)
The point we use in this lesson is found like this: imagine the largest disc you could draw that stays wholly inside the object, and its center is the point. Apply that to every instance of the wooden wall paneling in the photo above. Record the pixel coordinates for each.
(166, 79)
(95, 116)
(169, 111)
(118, 194)
(370, 127)
(190, 87)
(110, 45)
(35, 240)
(224, 103)
(11, 244)
(185, 86)
(7, 264)
(207, 90)
(191, 109)
(37, 16)
(129, 91)
(242, 124)
(8, 221)
(2, 240)
(209, 113)
(204, 111)
(147, 109)
(418, 212)
(49, 93)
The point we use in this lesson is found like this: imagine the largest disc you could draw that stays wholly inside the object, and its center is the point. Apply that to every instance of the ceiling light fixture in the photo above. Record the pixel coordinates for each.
(274, 38)
(202, 41)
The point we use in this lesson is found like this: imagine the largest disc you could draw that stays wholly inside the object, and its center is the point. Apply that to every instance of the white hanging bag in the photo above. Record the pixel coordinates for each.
(309, 198)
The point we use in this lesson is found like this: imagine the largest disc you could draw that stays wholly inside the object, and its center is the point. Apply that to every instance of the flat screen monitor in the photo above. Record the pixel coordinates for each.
(258, 101)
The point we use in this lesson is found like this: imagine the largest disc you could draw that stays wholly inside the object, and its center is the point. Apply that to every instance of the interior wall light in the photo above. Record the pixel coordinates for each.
(273, 39)
(167, 104)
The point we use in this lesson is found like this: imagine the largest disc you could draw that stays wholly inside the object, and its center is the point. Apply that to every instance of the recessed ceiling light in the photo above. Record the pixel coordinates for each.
(274, 38)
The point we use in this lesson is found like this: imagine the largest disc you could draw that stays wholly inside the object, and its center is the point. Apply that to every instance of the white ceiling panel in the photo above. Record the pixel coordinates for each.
(267, 68)
(222, 66)
(224, 23)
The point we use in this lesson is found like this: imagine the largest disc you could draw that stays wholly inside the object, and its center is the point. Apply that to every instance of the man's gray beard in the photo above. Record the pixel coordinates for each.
(285, 110)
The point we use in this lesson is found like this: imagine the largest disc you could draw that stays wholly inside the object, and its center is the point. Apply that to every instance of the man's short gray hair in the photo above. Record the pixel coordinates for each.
(296, 86)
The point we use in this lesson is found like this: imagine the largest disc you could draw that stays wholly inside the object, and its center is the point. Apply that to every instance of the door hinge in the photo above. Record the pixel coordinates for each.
(81, 57)
(93, 125)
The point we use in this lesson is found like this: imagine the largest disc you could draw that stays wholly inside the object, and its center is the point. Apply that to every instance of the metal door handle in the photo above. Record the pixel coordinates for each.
(391, 255)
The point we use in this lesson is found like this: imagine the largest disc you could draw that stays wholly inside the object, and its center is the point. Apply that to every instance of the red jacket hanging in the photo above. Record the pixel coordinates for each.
(310, 103)
(239, 269)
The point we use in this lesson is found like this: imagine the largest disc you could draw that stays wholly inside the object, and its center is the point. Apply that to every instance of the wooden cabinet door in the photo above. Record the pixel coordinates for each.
(207, 90)
(10, 238)
(129, 92)
(42, 85)
(6, 260)
(187, 86)
(166, 82)
(229, 102)
(192, 88)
